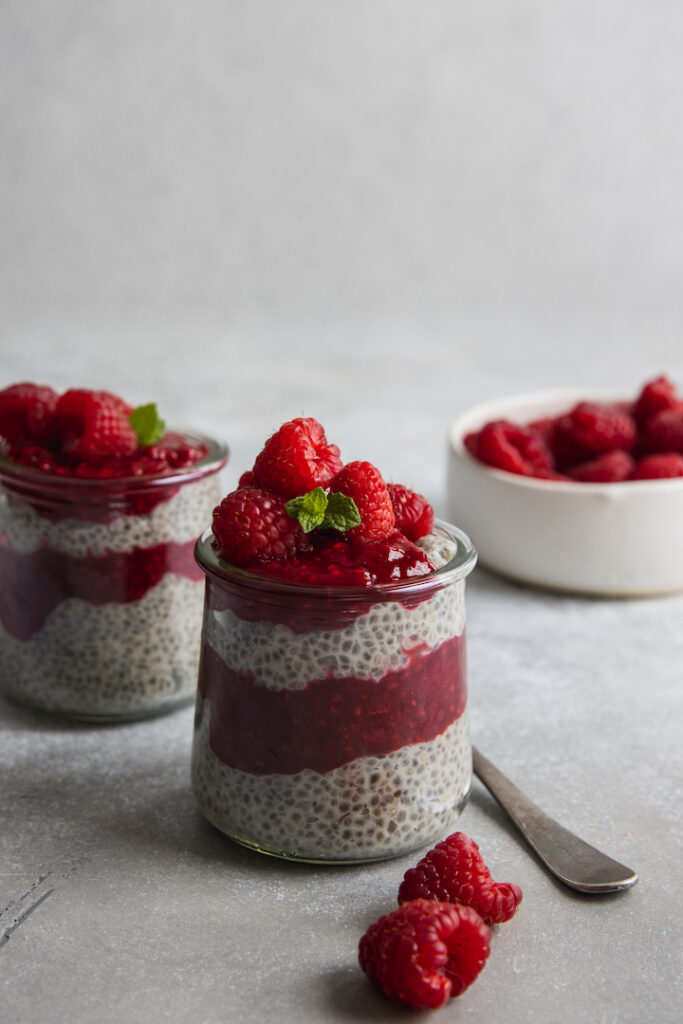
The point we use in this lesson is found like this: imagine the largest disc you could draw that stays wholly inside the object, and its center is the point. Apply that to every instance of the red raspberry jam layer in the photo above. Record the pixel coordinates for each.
(338, 563)
(332, 721)
(35, 583)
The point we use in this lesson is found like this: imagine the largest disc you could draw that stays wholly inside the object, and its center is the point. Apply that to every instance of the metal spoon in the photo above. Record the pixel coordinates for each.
(569, 858)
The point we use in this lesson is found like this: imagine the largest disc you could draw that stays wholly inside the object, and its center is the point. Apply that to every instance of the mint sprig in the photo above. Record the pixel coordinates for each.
(341, 513)
(308, 509)
(147, 424)
(327, 511)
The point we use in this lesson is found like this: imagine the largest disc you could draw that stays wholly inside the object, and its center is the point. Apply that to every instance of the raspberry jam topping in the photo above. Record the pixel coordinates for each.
(593, 442)
(338, 563)
(172, 452)
(303, 516)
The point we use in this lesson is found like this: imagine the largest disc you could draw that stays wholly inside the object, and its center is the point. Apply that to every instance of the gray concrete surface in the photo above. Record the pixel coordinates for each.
(378, 214)
(119, 902)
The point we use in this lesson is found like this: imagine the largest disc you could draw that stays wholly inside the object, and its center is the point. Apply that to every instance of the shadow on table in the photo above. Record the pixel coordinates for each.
(348, 995)
(22, 718)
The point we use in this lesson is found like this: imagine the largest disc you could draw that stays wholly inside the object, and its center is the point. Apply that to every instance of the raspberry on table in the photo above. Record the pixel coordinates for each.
(611, 467)
(601, 428)
(296, 459)
(365, 484)
(91, 424)
(413, 514)
(505, 445)
(425, 952)
(662, 466)
(252, 526)
(454, 871)
(656, 396)
(27, 414)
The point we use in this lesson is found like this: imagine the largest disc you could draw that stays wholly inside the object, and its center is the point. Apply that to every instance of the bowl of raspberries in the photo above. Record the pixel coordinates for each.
(575, 490)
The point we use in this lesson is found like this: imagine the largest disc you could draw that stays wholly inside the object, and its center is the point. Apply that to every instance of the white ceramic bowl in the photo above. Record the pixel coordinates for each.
(621, 539)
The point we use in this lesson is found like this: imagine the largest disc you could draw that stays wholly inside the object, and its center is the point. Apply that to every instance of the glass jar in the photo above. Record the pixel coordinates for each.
(100, 595)
(331, 723)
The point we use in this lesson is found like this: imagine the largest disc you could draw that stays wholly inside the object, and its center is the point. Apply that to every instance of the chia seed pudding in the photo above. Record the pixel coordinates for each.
(331, 722)
(100, 595)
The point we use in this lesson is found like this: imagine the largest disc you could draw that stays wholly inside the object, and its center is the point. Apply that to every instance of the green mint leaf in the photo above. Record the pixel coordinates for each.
(309, 509)
(148, 427)
(341, 513)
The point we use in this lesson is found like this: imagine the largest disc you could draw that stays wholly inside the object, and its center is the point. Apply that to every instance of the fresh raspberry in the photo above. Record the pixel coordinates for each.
(413, 514)
(27, 413)
(508, 446)
(545, 428)
(601, 428)
(454, 871)
(248, 479)
(661, 466)
(656, 396)
(470, 441)
(296, 459)
(94, 423)
(664, 431)
(609, 468)
(564, 448)
(251, 526)
(425, 953)
(362, 482)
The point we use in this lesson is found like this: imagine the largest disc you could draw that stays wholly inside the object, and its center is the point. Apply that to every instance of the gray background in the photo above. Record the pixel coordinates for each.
(377, 213)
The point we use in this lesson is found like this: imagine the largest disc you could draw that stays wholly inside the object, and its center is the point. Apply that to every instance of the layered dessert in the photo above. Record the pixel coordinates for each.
(331, 719)
(100, 595)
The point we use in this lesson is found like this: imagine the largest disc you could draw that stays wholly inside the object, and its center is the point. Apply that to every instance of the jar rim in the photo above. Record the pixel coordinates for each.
(28, 480)
(457, 568)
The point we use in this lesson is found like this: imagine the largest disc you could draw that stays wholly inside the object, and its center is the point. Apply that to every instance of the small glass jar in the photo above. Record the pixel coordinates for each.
(100, 595)
(331, 723)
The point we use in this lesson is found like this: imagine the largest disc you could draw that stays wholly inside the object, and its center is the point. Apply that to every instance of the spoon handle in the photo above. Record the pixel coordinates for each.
(569, 858)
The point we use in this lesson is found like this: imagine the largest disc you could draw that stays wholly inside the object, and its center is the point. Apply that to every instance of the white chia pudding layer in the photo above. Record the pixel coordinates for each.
(369, 809)
(110, 661)
(178, 519)
(373, 645)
